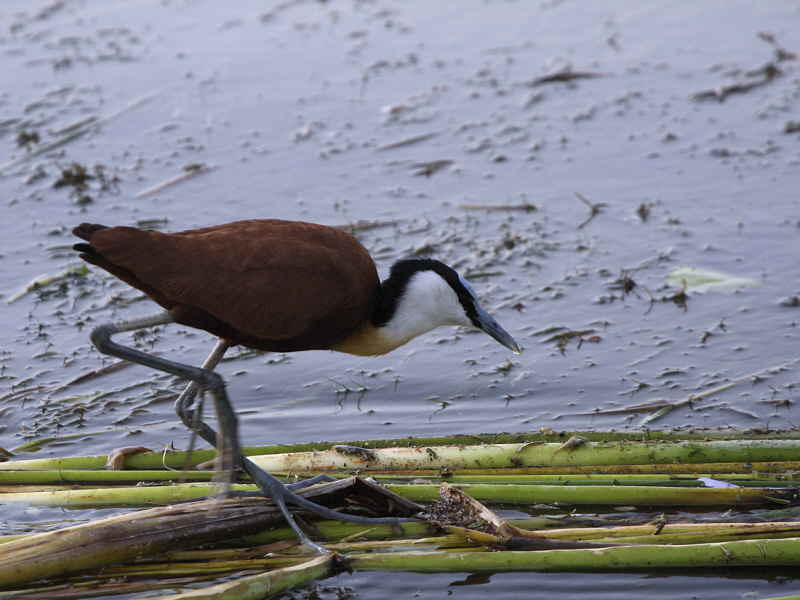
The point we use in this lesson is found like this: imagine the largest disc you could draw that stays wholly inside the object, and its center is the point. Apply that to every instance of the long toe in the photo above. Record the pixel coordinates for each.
(304, 483)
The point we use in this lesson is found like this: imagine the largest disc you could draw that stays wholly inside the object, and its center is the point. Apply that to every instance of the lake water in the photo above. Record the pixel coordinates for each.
(415, 117)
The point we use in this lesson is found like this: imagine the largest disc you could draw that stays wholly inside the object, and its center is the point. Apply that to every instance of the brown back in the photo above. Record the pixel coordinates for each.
(270, 284)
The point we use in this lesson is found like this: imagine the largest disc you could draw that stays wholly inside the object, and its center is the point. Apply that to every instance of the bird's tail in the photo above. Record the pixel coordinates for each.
(86, 230)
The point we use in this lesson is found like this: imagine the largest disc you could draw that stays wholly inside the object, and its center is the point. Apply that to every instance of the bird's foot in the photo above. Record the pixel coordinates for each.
(283, 495)
(304, 483)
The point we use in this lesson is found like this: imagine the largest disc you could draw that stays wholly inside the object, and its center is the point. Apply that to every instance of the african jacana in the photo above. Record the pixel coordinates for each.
(280, 286)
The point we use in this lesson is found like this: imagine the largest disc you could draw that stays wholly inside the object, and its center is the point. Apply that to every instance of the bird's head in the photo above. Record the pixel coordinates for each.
(421, 294)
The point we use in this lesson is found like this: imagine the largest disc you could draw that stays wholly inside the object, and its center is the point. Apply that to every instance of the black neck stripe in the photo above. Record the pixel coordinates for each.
(394, 287)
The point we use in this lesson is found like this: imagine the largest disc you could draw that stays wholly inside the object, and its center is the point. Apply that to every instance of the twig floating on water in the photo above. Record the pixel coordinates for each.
(525, 206)
(73, 132)
(716, 390)
(112, 368)
(75, 126)
(16, 393)
(189, 171)
(155, 223)
(42, 149)
(563, 76)
(366, 225)
(431, 167)
(407, 142)
(45, 280)
(768, 72)
(38, 444)
(563, 338)
(632, 408)
(482, 274)
(594, 209)
(781, 53)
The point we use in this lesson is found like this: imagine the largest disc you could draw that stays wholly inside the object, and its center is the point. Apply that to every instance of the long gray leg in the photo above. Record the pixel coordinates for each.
(183, 404)
(268, 484)
(227, 444)
(188, 415)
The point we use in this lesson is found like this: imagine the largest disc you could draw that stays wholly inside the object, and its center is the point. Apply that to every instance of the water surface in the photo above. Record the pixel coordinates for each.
(309, 110)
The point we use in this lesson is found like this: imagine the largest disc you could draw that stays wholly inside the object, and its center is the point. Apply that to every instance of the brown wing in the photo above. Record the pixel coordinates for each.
(268, 279)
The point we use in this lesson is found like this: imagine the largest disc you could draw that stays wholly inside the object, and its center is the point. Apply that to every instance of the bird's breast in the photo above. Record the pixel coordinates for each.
(368, 341)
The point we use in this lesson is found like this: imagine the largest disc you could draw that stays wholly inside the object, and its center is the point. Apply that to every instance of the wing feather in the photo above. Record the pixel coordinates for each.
(269, 279)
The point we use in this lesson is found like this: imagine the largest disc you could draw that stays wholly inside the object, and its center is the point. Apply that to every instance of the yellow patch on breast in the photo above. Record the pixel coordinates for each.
(367, 341)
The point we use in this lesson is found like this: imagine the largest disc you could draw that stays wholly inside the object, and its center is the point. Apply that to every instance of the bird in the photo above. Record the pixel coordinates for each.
(280, 286)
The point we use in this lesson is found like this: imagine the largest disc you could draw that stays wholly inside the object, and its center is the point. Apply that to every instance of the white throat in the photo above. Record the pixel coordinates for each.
(428, 302)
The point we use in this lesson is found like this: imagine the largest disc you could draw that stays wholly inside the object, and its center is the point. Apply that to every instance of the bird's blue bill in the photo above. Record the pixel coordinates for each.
(487, 323)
